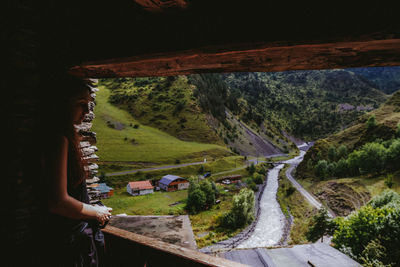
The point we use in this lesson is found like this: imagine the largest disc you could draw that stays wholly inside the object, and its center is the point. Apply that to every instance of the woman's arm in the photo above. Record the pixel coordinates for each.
(58, 199)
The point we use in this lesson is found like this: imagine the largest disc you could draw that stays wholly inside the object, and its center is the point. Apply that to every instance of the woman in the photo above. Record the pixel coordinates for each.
(72, 224)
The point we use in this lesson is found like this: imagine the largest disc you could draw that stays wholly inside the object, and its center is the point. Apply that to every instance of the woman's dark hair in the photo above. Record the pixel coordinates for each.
(55, 119)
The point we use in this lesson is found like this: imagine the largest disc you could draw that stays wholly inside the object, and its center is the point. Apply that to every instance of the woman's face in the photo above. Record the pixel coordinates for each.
(80, 107)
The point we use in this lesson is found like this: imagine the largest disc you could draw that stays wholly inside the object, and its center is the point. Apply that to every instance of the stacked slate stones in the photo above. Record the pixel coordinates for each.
(88, 149)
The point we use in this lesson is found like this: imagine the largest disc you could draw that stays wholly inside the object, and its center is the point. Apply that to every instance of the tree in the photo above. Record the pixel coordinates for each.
(209, 192)
(372, 158)
(371, 122)
(342, 168)
(393, 154)
(342, 152)
(321, 169)
(332, 168)
(242, 212)
(200, 195)
(332, 153)
(320, 225)
(398, 130)
(196, 201)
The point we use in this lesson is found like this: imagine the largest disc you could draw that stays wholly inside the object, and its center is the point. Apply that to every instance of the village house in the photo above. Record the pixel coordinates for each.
(140, 188)
(101, 190)
(173, 183)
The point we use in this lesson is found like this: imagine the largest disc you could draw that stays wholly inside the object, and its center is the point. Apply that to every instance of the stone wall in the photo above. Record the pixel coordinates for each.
(89, 149)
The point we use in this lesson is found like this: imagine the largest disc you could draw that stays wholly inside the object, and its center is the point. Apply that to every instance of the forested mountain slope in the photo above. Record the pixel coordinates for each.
(387, 79)
(250, 113)
(306, 104)
(378, 125)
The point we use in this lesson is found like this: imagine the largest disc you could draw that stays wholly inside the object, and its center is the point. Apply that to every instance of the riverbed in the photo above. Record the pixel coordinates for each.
(270, 225)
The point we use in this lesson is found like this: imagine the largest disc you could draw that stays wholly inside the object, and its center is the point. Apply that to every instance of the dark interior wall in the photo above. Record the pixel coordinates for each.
(43, 38)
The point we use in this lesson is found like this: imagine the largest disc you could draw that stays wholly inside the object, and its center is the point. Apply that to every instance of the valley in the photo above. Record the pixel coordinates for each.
(251, 125)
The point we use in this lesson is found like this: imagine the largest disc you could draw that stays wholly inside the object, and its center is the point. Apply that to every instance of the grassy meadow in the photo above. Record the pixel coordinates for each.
(126, 143)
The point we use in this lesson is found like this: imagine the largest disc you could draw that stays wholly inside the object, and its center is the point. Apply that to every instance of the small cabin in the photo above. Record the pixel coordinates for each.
(140, 188)
(173, 183)
(102, 190)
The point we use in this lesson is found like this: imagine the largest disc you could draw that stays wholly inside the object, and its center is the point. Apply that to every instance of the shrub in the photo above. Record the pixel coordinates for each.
(389, 180)
(258, 178)
(376, 224)
(290, 190)
(251, 169)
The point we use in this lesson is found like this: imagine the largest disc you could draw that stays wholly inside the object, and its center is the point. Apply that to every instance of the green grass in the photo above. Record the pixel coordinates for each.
(218, 165)
(154, 102)
(144, 144)
(151, 204)
(297, 206)
(206, 223)
(158, 204)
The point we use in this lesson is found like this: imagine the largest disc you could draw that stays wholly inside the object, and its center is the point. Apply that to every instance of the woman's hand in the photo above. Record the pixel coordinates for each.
(103, 213)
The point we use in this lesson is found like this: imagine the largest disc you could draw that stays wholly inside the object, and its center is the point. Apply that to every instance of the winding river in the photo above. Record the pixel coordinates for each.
(271, 222)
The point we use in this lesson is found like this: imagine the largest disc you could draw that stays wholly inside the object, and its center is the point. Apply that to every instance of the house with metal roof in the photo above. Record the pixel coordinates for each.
(101, 189)
(173, 183)
(140, 188)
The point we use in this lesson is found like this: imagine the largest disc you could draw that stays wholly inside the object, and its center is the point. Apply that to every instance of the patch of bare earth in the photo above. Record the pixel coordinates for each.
(342, 198)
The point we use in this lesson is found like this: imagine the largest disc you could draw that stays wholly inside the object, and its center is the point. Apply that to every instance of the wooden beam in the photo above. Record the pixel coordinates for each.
(250, 58)
(156, 247)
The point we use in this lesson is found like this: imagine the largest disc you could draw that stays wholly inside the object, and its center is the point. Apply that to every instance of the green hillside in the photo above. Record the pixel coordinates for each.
(387, 79)
(195, 108)
(387, 117)
(165, 103)
(346, 169)
(121, 138)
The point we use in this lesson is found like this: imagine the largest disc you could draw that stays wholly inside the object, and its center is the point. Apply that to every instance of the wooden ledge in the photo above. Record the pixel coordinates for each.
(249, 58)
(177, 251)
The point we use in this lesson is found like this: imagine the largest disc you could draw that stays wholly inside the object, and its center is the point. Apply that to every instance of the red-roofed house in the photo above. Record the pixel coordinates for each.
(139, 188)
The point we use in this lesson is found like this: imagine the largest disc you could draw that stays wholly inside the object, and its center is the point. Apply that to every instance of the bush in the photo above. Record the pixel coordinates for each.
(389, 180)
(251, 169)
(375, 224)
(258, 178)
(242, 212)
(290, 190)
